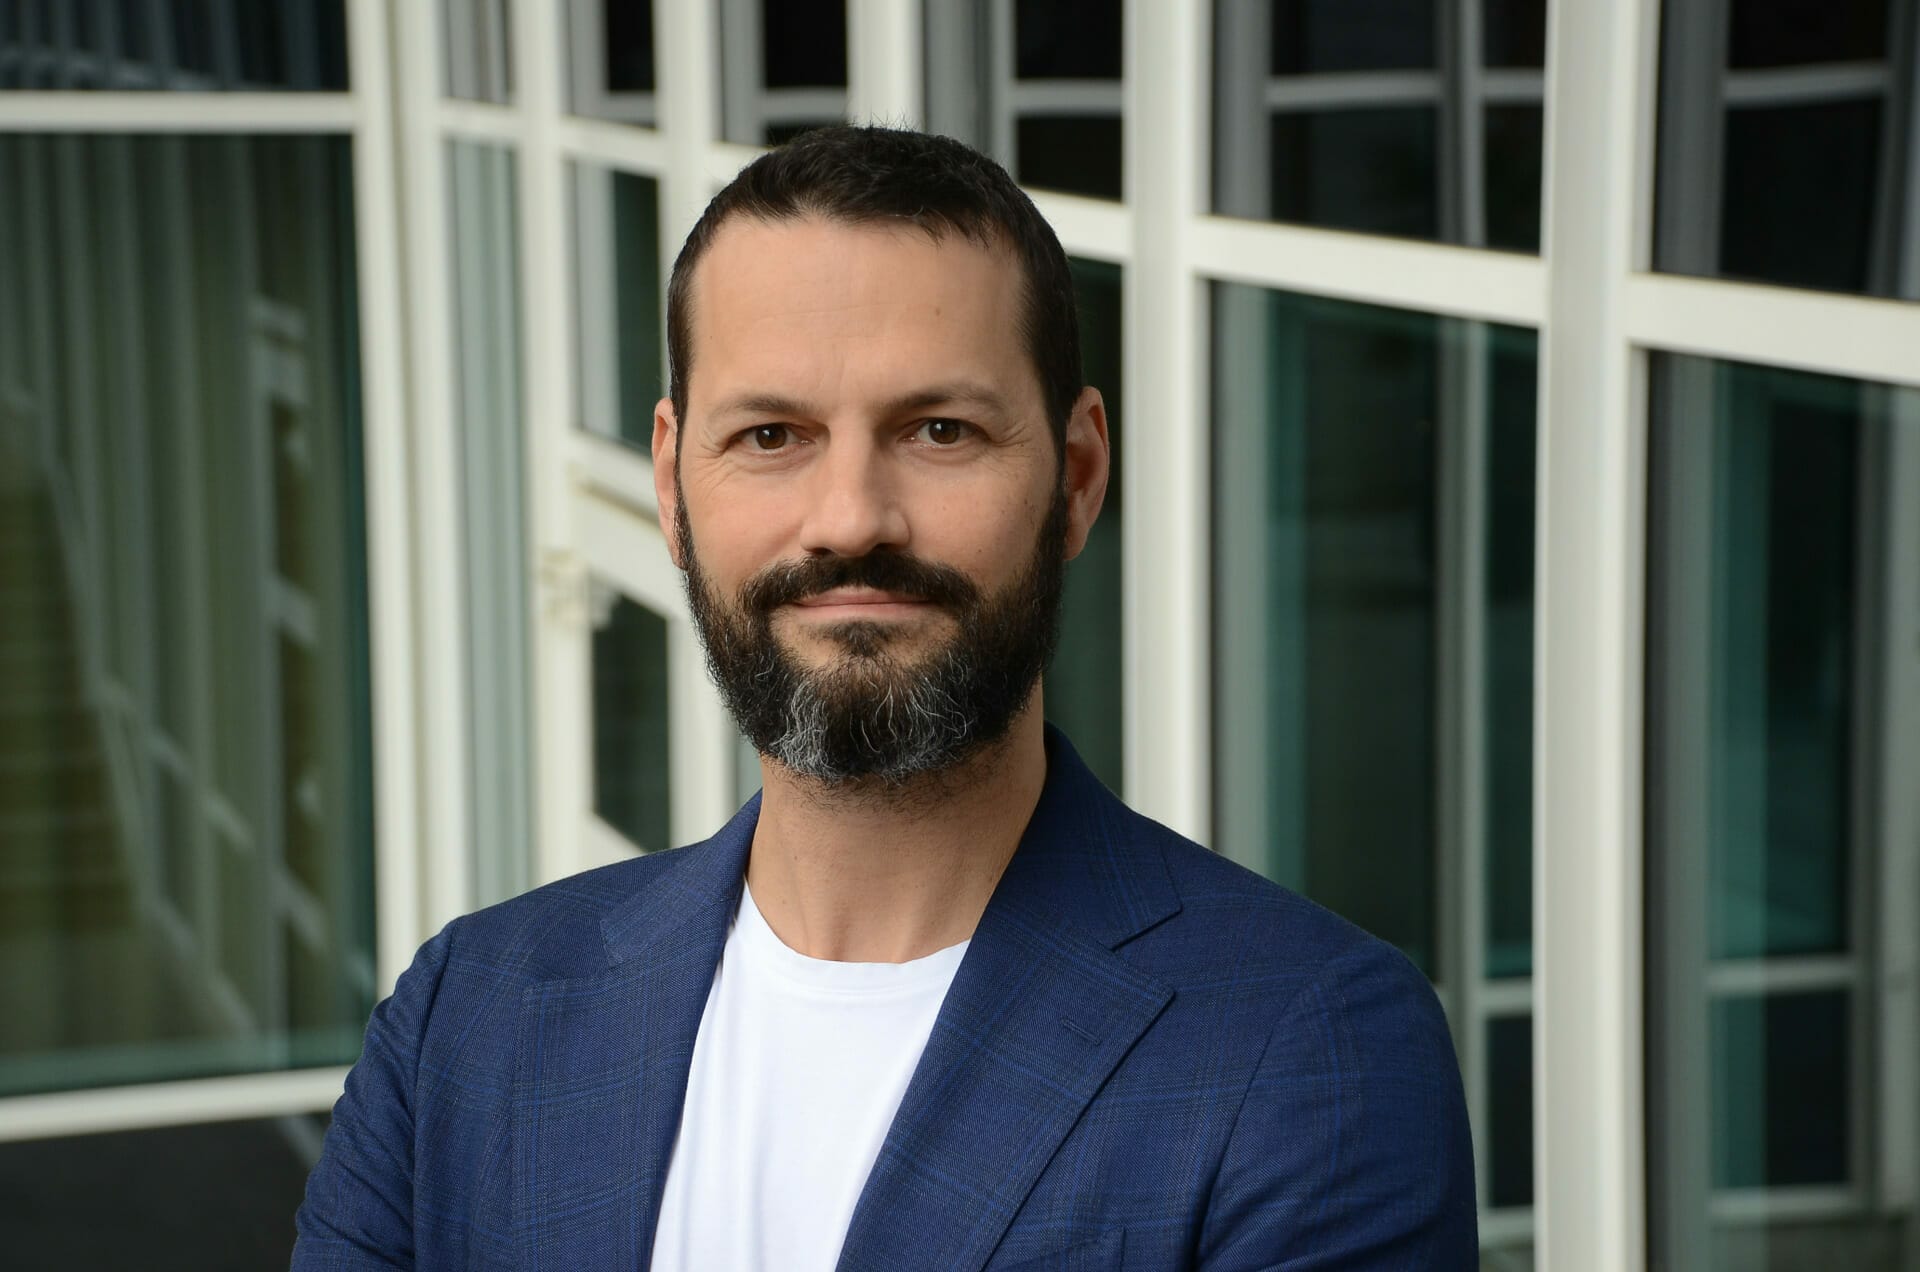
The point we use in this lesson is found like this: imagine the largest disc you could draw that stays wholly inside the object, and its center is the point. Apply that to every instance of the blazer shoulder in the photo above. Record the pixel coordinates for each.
(554, 932)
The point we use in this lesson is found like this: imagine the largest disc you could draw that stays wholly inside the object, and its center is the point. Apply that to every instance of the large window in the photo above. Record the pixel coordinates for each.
(1511, 544)
(1782, 848)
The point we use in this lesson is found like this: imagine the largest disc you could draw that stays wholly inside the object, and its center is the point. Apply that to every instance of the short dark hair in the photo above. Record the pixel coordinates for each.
(861, 175)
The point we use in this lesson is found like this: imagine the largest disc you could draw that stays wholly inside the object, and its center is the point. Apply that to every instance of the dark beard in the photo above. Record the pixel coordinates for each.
(869, 715)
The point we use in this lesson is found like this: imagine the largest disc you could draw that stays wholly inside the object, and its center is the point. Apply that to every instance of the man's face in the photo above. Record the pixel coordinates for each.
(866, 494)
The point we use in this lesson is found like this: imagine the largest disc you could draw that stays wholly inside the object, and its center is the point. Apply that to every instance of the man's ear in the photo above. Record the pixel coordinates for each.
(1087, 463)
(666, 461)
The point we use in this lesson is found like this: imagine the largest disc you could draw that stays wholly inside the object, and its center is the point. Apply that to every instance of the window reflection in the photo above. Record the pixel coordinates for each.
(1786, 144)
(1405, 117)
(610, 60)
(617, 287)
(1373, 629)
(477, 46)
(1085, 689)
(783, 68)
(1036, 85)
(631, 729)
(185, 774)
(186, 45)
(1784, 727)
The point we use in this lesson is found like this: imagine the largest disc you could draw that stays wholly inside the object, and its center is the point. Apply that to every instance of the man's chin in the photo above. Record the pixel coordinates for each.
(819, 646)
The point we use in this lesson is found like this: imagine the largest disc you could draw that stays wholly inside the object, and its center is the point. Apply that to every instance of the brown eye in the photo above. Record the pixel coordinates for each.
(770, 436)
(944, 432)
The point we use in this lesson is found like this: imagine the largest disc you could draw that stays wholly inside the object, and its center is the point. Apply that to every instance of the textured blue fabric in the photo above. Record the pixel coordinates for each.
(1150, 1058)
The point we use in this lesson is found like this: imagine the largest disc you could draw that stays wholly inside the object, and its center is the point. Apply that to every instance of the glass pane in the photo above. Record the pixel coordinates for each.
(186, 46)
(1043, 98)
(618, 288)
(631, 724)
(185, 780)
(1380, 116)
(487, 406)
(1783, 709)
(1085, 689)
(1509, 1130)
(476, 38)
(1786, 130)
(211, 1196)
(610, 60)
(1366, 460)
(783, 68)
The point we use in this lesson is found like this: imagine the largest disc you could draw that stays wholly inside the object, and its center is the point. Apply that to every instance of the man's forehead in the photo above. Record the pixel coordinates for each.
(774, 296)
(748, 249)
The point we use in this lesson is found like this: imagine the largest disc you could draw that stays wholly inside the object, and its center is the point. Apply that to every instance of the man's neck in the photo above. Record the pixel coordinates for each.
(870, 876)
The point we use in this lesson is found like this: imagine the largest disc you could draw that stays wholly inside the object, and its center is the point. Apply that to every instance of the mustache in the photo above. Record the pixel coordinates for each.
(785, 582)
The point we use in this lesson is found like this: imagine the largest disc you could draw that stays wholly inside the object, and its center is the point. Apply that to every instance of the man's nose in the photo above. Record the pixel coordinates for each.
(856, 502)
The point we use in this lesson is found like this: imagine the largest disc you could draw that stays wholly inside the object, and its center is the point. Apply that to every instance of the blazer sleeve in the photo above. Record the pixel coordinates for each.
(1351, 1148)
(358, 1211)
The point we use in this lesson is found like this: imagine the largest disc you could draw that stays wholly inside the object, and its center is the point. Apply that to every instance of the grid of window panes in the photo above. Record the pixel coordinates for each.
(1370, 499)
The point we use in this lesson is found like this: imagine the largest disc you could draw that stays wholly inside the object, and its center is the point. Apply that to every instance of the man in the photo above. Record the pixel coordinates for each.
(935, 998)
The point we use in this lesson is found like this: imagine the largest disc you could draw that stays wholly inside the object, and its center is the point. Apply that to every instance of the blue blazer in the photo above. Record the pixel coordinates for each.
(1149, 1058)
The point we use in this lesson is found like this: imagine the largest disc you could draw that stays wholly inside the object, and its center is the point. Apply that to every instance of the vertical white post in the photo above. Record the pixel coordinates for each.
(687, 43)
(399, 924)
(1588, 1055)
(445, 842)
(703, 737)
(883, 63)
(560, 651)
(1165, 603)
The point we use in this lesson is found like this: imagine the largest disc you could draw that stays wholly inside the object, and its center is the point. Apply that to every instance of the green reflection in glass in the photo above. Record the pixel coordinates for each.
(617, 284)
(631, 727)
(1373, 550)
(185, 768)
(1085, 694)
(1783, 709)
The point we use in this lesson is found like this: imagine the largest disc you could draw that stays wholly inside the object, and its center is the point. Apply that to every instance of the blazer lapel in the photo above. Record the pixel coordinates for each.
(603, 1062)
(1039, 1014)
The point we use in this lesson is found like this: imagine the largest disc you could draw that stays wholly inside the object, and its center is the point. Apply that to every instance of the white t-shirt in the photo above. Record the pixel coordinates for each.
(798, 1068)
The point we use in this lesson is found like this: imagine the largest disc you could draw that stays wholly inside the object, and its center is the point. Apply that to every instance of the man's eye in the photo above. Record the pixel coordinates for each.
(943, 432)
(769, 437)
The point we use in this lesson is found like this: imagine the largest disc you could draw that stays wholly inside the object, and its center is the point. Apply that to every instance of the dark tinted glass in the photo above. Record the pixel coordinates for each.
(804, 44)
(176, 1199)
(1781, 1090)
(256, 46)
(1509, 1132)
(1043, 98)
(1066, 39)
(783, 68)
(1340, 516)
(1786, 130)
(631, 790)
(1314, 36)
(1783, 732)
(1368, 170)
(185, 745)
(610, 71)
(1085, 686)
(1803, 32)
(1365, 115)
(1074, 154)
(1513, 33)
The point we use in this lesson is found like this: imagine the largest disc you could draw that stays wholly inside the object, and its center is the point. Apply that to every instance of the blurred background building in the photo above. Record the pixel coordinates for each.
(1515, 543)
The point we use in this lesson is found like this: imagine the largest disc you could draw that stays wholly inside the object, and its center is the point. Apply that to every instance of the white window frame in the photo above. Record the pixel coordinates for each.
(1592, 296)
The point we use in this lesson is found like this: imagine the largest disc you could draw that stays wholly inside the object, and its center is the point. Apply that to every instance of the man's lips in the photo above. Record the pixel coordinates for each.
(863, 602)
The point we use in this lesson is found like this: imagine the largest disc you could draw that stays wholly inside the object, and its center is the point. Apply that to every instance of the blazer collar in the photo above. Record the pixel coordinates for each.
(1039, 1014)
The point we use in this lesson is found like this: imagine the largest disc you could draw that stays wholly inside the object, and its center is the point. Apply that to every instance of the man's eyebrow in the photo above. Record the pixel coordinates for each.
(756, 403)
(774, 404)
(960, 392)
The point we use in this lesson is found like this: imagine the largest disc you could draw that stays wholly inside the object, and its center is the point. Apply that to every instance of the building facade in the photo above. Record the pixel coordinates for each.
(1514, 545)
